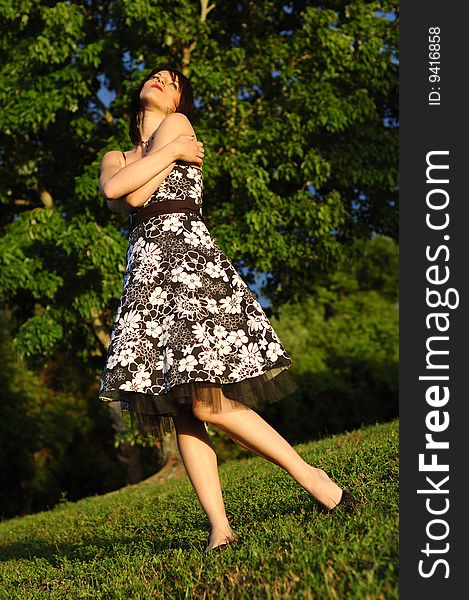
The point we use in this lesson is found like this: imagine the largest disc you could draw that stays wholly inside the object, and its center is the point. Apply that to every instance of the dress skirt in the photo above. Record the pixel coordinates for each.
(188, 327)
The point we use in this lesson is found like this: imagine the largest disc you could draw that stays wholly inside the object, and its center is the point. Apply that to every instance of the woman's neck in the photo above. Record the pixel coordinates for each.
(150, 122)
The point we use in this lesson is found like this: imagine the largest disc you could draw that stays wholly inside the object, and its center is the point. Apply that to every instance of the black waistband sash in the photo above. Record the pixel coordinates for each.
(162, 208)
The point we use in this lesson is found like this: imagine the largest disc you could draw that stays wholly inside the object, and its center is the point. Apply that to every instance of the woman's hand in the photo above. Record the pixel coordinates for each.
(134, 183)
(188, 149)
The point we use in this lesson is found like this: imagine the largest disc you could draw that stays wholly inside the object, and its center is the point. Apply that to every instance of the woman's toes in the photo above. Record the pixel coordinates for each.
(324, 489)
(218, 538)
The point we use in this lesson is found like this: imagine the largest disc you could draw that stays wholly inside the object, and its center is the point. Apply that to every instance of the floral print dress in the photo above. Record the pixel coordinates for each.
(187, 326)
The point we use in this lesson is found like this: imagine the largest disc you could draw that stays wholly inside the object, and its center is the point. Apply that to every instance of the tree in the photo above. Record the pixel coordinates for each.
(297, 107)
(55, 441)
(344, 340)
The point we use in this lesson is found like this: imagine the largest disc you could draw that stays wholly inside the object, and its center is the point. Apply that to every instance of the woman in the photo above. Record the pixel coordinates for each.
(190, 343)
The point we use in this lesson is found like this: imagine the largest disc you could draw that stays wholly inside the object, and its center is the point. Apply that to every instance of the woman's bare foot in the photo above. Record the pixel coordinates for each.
(220, 536)
(324, 490)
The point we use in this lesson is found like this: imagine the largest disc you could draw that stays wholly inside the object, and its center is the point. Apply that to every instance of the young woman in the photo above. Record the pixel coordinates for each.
(190, 343)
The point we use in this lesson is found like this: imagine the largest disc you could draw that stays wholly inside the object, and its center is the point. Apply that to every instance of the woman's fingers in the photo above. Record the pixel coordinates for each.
(189, 148)
(200, 153)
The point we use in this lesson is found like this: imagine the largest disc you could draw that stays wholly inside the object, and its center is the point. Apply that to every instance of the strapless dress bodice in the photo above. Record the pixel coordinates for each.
(185, 182)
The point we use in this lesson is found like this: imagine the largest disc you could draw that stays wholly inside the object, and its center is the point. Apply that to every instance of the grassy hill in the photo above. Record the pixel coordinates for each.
(147, 541)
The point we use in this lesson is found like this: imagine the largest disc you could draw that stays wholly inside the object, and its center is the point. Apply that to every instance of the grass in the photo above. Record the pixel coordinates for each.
(147, 541)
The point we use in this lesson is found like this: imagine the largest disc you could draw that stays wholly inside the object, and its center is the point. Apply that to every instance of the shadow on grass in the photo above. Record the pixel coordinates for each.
(87, 552)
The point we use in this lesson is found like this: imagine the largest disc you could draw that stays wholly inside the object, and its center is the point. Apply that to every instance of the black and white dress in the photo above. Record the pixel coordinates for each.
(187, 325)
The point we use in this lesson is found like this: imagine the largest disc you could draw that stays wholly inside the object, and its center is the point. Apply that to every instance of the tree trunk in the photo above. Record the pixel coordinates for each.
(127, 454)
(173, 467)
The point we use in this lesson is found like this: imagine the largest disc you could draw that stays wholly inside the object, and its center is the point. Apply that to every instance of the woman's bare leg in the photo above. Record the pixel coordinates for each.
(253, 432)
(236, 440)
(200, 461)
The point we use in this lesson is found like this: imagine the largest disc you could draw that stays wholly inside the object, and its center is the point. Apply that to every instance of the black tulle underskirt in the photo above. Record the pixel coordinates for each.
(152, 415)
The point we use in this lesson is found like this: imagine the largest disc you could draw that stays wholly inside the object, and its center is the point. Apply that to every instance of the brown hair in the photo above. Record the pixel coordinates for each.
(186, 103)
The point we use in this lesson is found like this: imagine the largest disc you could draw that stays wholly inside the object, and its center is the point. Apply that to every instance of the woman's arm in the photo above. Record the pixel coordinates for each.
(172, 126)
(172, 142)
(116, 181)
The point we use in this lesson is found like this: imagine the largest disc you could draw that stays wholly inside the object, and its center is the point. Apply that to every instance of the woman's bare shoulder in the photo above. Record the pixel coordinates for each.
(177, 117)
(178, 121)
(113, 157)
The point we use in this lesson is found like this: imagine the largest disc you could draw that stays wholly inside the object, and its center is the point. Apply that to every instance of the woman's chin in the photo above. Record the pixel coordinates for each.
(151, 101)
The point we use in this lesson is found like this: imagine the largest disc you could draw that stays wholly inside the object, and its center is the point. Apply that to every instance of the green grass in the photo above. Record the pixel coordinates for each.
(147, 541)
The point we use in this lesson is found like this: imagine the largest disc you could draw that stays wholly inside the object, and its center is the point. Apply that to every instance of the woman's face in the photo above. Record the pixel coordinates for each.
(162, 91)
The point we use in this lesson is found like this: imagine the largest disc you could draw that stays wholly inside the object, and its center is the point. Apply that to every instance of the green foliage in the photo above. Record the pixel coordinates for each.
(297, 108)
(132, 438)
(56, 438)
(147, 541)
(39, 335)
(344, 343)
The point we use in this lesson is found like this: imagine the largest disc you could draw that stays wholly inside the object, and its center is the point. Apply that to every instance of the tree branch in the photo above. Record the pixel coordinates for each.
(205, 9)
(186, 57)
(23, 202)
(187, 52)
(107, 113)
(301, 58)
(100, 329)
(47, 199)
